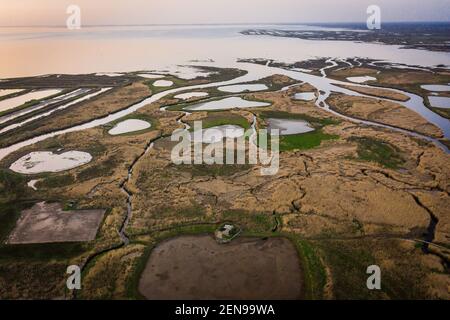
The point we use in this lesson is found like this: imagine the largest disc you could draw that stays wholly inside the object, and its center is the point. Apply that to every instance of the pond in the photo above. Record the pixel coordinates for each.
(197, 267)
(243, 88)
(188, 95)
(439, 102)
(227, 103)
(305, 96)
(163, 83)
(361, 79)
(436, 87)
(150, 76)
(288, 127)
(47, 161)
(130, 125)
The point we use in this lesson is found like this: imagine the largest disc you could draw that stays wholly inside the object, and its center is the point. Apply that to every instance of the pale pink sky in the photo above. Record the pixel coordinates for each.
(109, 12)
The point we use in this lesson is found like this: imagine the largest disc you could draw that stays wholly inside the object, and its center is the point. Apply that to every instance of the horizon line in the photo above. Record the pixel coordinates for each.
(219, 24)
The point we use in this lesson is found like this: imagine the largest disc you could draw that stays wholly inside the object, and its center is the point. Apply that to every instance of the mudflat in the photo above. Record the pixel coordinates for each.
(197, 267)
(48, 222)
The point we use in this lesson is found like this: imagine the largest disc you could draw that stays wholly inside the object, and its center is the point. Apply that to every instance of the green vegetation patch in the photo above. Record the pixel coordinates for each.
(57, 181)
(193, 210)
(349, 265)
(9, 213)
(305, 141)
(348, 261)
(42, 252)
(313, 270)
(102, 169)
(253, 224)
(12, 185)
(382, 152)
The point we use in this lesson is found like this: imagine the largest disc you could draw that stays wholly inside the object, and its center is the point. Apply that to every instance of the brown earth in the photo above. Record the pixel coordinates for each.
(324, 196)
(382, 111)
(48, 222)
(118, 99)
(377, 92)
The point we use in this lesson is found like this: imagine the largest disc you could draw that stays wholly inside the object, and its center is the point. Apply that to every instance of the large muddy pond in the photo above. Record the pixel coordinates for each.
(197, 267)
(46, 161)
(227, 103)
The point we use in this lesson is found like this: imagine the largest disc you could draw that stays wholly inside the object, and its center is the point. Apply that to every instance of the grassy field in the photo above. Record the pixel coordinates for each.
(305, 141)
(374, 150)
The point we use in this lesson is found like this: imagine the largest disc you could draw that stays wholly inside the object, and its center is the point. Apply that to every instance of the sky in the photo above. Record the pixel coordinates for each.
(125, 12)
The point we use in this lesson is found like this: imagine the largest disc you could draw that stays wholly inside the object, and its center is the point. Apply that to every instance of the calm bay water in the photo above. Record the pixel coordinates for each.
(33, 51)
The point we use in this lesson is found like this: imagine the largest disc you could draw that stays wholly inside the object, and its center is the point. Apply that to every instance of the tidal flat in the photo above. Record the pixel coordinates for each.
(199, 268)
(368, 183)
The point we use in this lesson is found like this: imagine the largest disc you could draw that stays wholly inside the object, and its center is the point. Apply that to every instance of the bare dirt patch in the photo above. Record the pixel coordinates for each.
(47, 223)
(199, 268)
